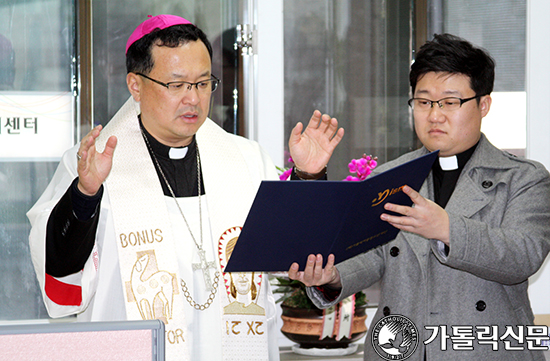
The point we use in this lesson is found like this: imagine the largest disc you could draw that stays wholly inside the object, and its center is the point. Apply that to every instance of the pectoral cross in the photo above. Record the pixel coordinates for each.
(204, 265)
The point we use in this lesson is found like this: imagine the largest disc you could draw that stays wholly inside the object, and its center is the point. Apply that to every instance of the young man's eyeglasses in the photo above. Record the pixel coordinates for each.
(178, 87)
(449, 104)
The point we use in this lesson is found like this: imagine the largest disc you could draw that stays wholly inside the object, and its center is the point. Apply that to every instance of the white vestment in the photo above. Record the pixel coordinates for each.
(100, 284)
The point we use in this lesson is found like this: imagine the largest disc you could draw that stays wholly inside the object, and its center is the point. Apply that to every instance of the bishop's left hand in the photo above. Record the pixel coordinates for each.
(424, 218)
(312, 149)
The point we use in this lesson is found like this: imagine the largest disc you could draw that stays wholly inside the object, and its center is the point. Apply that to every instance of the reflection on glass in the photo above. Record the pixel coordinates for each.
(350, 59)
(36, 58)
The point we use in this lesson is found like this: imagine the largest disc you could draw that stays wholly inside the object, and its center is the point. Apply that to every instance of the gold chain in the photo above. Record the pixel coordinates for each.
(210, 299)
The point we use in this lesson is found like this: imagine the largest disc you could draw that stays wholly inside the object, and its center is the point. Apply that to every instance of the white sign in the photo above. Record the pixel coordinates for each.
(35, 126)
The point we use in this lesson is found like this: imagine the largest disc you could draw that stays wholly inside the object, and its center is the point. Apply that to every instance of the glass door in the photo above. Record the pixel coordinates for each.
(37, 122)
(351, 59)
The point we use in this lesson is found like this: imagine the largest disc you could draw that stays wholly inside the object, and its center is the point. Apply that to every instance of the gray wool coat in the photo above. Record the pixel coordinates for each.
(499, 216)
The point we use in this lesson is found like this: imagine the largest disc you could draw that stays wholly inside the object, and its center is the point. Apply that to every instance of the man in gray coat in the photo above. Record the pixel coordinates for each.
(454, 281)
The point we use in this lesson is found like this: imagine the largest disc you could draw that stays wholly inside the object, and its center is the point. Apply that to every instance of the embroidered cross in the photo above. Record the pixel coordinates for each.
(204, 266)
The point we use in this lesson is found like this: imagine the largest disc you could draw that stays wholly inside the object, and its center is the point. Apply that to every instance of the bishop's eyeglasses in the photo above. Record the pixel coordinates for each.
(445, 104)
(203, 87)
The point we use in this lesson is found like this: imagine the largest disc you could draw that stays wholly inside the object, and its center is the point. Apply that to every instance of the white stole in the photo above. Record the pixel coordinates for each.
(148, 264)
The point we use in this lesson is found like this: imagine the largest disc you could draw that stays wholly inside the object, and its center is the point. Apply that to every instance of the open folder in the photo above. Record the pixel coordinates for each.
(290, 220)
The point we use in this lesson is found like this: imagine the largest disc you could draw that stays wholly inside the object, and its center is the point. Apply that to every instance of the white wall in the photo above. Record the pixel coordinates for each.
(269, 84)
(538, 120)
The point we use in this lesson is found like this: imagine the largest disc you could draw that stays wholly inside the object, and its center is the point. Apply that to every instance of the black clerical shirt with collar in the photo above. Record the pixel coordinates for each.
(445, 180)
(180, 173)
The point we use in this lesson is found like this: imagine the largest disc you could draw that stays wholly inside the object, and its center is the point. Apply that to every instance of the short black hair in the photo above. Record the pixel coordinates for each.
(447, 53)
(139, 58)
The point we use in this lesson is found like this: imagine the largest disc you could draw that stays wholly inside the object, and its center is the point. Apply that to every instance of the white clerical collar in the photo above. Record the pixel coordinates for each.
(448, 163)
(177, 153)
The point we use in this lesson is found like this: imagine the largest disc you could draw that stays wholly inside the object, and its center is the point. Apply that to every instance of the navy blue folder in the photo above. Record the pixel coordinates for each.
(289, 220)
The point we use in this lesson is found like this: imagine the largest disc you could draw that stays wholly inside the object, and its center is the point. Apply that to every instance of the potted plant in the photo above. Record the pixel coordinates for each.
(305, 324)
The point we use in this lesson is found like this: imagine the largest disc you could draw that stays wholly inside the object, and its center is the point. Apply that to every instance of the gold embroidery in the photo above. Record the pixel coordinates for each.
(235, 324)
(254, 328)
(174, 336)
(243, 287)
(139, 238)
(151, 288)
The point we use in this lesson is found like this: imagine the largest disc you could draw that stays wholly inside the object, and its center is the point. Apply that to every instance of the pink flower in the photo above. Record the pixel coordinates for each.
(362, 167)
(352, 179)
(286, 174)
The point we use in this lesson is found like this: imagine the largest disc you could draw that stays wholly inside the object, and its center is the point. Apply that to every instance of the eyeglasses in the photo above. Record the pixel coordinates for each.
(204, 87)
(449, 104)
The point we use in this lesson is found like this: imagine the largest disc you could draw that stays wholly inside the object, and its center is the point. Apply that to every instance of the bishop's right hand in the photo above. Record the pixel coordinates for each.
(314, 274)
(93, 166)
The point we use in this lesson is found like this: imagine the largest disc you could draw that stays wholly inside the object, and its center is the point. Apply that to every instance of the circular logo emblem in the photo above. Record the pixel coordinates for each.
(395, 337)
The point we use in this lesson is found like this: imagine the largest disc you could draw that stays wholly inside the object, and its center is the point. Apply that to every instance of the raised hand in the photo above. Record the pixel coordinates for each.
(425, 218)
(314, 273)
(312, 149)
(93, 166)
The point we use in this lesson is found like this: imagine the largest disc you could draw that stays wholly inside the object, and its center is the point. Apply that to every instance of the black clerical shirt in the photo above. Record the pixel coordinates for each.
(445, 181)
(180, 173)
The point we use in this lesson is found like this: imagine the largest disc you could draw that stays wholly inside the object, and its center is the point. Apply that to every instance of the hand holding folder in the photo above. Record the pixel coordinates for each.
(290, 220)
